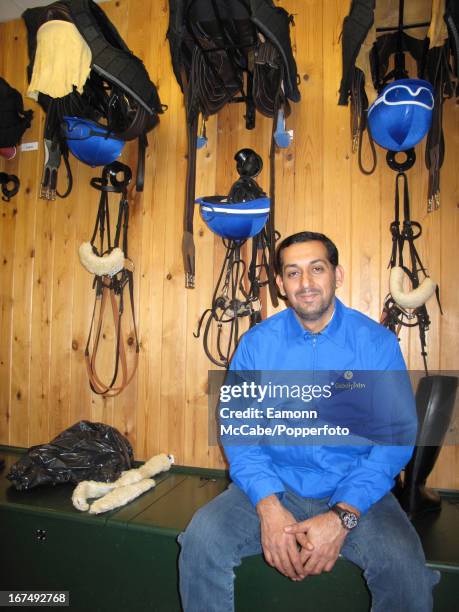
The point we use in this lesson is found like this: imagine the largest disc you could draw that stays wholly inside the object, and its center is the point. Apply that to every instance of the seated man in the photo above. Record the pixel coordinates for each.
(302, 506)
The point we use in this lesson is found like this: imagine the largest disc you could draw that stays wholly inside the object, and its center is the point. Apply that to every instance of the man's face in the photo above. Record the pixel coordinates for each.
(309, 282)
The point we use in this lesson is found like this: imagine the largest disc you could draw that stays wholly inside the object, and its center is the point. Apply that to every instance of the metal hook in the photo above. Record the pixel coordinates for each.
(402, 166)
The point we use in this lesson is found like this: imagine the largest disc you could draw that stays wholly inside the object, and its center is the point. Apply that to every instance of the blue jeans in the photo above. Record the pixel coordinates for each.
(384, 544)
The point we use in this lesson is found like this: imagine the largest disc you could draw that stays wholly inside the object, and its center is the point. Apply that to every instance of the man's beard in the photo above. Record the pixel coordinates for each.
(316, 311)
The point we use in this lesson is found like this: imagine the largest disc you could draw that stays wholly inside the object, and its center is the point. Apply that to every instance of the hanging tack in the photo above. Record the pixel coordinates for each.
(401, 307)
(236, 218)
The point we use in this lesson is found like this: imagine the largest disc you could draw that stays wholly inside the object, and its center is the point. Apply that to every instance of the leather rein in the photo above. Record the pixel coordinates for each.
(110, 287)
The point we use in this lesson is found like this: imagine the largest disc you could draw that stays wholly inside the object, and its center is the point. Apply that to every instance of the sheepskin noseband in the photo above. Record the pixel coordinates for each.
(409, 299)
(105, 265)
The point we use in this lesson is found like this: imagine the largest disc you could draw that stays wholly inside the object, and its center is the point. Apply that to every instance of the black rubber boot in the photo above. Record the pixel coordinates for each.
(435, 397)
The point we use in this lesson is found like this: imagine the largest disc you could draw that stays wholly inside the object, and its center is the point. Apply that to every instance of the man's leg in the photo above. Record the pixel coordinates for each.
(217, 538)
(221, 534)
(386, 546)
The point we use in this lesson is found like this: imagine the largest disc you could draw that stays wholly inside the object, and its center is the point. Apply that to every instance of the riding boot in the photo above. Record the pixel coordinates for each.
(435, 398)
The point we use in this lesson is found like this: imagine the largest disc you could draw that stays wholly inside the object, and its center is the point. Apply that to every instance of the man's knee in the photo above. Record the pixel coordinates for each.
(398, 564)
(388, 548)
(205, 538)
(222, 532)
(402, 583)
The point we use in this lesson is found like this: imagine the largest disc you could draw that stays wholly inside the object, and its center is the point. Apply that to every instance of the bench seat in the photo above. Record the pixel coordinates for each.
(126, 559)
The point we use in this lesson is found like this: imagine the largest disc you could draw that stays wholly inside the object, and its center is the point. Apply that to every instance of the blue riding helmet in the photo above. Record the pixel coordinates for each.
(90, 142)
(238, 221)
(401, 115)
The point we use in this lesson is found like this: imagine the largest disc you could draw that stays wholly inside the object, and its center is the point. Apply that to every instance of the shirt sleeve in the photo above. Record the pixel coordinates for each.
(251, 467)
(373, 475)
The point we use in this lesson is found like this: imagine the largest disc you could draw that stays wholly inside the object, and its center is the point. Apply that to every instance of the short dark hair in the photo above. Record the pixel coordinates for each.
(332, 251)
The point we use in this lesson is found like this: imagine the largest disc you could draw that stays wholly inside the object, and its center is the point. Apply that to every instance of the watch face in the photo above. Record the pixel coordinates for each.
(349, 520)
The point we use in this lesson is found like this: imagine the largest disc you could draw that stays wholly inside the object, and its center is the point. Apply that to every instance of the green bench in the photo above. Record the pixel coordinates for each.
(126, 560)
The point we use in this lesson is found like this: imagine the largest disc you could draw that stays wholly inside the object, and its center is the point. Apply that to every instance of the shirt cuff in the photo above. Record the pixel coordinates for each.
(264, 488)
(354, 497)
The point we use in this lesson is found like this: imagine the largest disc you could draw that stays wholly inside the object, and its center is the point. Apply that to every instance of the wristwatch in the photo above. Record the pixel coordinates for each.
(349, 519)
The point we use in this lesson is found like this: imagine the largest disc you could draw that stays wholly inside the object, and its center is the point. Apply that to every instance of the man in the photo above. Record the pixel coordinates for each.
(302, 506)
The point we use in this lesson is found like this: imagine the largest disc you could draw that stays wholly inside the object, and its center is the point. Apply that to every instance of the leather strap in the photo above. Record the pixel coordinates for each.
(97, 385)
(112, 287)
(271, 229)
(394, 316)
(188, 248)
(359, 124)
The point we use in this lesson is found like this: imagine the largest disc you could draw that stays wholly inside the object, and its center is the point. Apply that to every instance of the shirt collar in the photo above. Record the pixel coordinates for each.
(334, 331)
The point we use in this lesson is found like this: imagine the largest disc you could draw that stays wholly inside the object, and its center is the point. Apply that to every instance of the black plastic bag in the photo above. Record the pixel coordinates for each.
(85, 451)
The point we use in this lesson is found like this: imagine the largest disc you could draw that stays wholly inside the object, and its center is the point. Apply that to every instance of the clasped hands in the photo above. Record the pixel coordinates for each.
(300, 549)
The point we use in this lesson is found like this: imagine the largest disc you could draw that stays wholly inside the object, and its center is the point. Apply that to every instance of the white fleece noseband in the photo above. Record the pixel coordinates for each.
(409, 299)
(107, 265)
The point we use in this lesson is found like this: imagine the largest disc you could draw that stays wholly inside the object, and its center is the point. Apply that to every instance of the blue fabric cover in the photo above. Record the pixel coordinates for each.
(90, 142)
(401, 115)
(237, 221)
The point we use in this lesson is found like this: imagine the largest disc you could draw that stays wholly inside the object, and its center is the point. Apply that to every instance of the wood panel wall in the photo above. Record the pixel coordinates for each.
(46, 297)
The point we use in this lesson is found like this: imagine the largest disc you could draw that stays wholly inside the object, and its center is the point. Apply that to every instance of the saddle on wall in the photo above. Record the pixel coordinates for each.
(230, 51)
(117, 92)
(376, 31)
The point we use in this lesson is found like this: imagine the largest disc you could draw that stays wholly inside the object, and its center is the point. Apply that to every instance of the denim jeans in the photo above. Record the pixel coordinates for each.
(384, 544)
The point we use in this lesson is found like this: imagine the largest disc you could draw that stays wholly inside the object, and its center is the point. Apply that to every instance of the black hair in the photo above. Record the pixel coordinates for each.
(332, 251)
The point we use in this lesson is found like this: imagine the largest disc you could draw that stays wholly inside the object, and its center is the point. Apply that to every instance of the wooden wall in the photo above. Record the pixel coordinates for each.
(46, 296)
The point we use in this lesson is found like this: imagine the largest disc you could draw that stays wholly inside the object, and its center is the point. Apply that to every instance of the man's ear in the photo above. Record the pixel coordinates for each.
(339, 276)
(280, 286)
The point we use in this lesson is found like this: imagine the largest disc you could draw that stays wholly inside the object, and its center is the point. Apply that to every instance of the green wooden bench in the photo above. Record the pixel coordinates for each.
(126, 560)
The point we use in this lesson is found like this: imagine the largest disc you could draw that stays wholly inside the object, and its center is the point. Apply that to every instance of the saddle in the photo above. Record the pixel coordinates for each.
(374, 32)
(118, 90)
(230, 51)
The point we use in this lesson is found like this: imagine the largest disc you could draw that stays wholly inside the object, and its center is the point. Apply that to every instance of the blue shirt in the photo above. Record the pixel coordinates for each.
(357, 475)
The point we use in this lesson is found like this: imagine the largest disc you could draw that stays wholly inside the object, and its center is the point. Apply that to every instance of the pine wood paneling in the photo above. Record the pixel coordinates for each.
(46, 298)
(24, 255)
(337, 161)
(7, 233)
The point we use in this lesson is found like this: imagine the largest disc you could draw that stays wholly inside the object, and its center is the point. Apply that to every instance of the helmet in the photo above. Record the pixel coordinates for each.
(237, 221)
(401, 115)
(90, 142)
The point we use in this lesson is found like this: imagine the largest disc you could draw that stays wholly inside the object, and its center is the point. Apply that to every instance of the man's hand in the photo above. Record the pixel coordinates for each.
(326, 533)
(280, 548)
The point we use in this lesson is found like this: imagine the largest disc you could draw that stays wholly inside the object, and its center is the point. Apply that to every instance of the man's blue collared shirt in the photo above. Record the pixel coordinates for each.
(357, 475)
